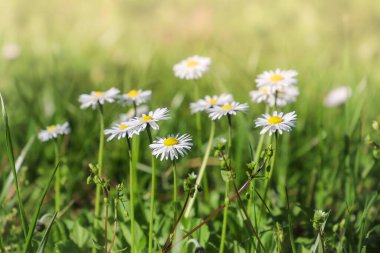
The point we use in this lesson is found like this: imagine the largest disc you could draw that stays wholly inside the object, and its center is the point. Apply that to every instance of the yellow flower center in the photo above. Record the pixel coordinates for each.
(147, 118)
(123, 126)
(227, 107)
(191, 63)
(276, 77)
(171, 141)
(98, 93)
(133, 93)
(264, 91)
(212, 101)
(51, 128)
(275, 120)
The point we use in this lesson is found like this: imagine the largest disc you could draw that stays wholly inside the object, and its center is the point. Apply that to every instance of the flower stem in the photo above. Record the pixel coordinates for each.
(57, 180)
(131, 196)
(202, 169)
(175, 196)
(225, 217)
(153, 188)
(100, 163)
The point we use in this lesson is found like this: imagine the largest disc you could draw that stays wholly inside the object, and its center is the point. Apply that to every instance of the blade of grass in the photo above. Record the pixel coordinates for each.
(11, 158)
(45, 238)
(19, 161)
(37, 210)
(291, 237)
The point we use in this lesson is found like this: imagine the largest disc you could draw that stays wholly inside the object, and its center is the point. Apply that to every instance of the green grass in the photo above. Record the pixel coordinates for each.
(68, 49)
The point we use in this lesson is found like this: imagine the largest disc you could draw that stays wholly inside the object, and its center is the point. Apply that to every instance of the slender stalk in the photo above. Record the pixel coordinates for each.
(106, 229)
(131, 195)
(175, 196)
(225, 217)
(114, 228)
(100, 163)
(290, 227)
(322, 241)
(153, 188)
(202, 168)
(57, 179)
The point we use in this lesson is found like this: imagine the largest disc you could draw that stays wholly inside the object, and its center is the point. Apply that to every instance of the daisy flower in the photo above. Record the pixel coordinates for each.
(131, 113)
(277, 78)
(11, 51)
(208, 102)
(191, 68)
(136, 96)
(276, 122)
(53, 131)
(98, 97)
(120, 130)
(140, 123)
(337, 96)
(171, 146)
(280, 96)
(232, 108)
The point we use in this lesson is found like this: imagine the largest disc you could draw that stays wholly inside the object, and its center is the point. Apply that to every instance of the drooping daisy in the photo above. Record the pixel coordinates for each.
(337, 96)
(140, 123)
(131, 113)
(11, 51)
(98, 97)
(171, 146)
(53, 131)
(279, 97)
(277, 78)
(191, 68)
(208, 102)
(136, 96)
(232, 108)
(120, 130)
(276, 122)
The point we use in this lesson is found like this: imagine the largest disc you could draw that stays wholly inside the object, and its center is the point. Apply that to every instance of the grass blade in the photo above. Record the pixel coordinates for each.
(44, 240)
(37, 210)
(11, 158)
(18, 164)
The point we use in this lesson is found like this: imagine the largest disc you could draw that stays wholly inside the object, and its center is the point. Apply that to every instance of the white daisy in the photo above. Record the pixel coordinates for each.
(277, 78)
(276, 122)
(98, 97)
(53, 131)
(191, 68)
(232, 108)
(136, 96)
(131, 113)
(11, 51)
(280, 96)
(208, 102)
(337, 96)
(150, 119)
(171, 146)
(120, 130)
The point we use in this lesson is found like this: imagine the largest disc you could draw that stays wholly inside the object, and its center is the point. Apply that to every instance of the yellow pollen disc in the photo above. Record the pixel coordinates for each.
(171, 141)
(227, 107)
(264, 91)
(275, 120)
(276, 78)
(133, 93)
(191, 63)
(98, 93)
(212, 101)
(51, 128)
(123, 126)
(146, 118)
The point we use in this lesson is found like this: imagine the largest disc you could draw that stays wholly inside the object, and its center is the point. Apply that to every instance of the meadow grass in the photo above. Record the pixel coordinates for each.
(325, 163)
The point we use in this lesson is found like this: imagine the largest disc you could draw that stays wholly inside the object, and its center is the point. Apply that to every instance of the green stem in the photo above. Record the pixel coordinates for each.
(57, 180)
(100, 163)
(175, 196)
(202, 169)
(229, 136)
(131, 195)
(225, 217)
(153, 188)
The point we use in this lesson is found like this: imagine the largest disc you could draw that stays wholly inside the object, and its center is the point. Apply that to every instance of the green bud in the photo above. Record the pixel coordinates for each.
(89, 179)
(376, 153)
(93, 168)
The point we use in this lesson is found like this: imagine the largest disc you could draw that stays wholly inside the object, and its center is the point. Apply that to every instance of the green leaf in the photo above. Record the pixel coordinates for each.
(44, 240)
(225, 176)
(11, 158)
(37, 211)
(67, 246)
(80, 235)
